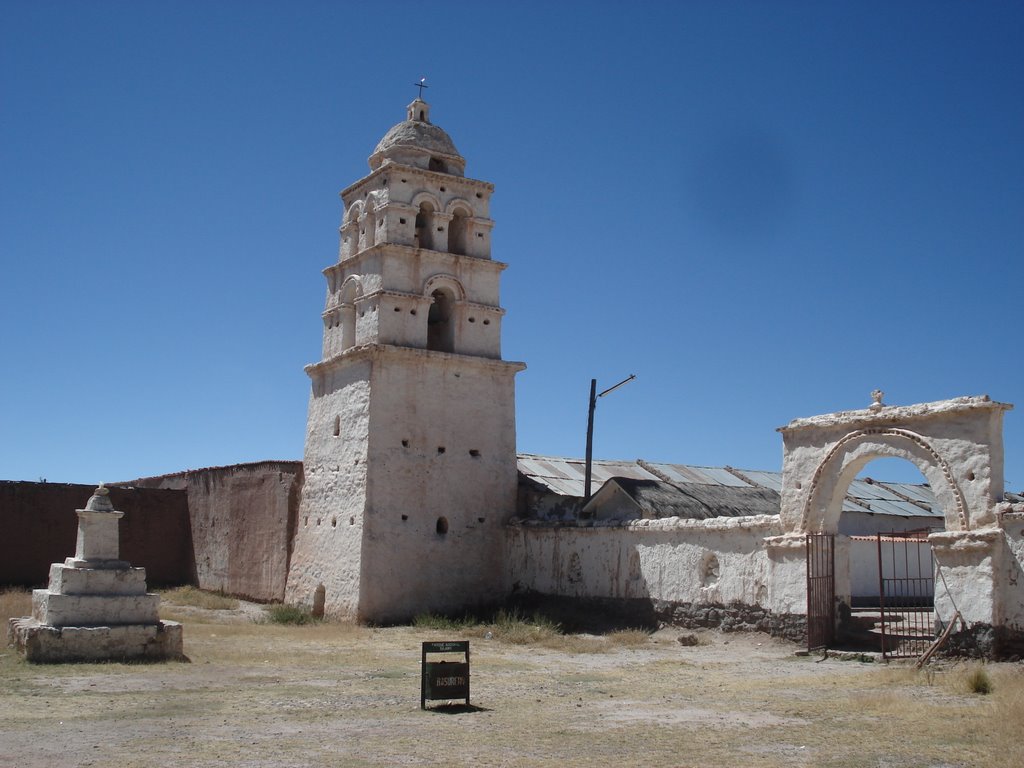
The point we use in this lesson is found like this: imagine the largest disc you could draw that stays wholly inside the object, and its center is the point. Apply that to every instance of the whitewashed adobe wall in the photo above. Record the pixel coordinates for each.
(718, 561)
(1012, 566)
(327, 548)
(442, 483)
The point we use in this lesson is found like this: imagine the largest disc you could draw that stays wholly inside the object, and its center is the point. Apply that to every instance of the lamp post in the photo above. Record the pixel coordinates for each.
(590, 429)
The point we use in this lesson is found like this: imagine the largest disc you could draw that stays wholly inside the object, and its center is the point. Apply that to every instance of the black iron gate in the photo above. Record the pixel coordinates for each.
(906, 593)
(821, 589)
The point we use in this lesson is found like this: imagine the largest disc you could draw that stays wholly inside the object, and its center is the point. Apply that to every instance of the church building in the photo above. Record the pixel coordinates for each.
(411, 499)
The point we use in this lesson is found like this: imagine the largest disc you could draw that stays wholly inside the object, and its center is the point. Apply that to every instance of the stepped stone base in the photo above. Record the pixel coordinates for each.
(46, 644)
(56, 610)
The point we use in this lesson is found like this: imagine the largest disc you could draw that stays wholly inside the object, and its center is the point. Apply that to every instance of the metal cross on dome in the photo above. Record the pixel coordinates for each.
(421, 85)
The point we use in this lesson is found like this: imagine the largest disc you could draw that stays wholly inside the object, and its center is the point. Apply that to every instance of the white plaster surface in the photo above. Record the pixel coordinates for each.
(966, 563)
(787, 558)
(89, 581)
(666, 559)
(442, 444)
(327, 547)
(57, 610)
(97, 536)
(1010, 575)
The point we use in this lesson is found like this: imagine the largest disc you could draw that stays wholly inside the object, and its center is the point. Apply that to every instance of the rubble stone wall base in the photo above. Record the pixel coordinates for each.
(984, 641)
(735, 617)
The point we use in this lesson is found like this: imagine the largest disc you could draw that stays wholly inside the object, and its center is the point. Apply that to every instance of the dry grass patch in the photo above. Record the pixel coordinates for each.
(334, 694)
(517, 628)
(199, 598)
(14, 603)
(628, 638)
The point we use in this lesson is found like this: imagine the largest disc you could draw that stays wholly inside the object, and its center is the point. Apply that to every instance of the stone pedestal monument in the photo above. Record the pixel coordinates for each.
(96, 607)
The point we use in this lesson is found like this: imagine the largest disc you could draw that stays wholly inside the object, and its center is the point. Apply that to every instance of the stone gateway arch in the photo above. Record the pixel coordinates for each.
(958, 446)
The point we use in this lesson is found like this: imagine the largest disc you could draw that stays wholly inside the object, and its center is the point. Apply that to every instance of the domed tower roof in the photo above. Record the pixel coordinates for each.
(418, 142)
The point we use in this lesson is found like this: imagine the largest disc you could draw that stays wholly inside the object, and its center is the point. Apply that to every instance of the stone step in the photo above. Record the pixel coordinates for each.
(66, 580)
(56, 610)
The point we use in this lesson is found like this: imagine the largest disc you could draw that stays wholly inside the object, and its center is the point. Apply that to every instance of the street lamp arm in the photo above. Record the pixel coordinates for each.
(616, 386)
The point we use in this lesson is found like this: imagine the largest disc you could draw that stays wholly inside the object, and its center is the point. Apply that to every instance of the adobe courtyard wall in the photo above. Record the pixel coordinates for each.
(694, 573)
(1011, 518)
(40, 527)
(242, 519)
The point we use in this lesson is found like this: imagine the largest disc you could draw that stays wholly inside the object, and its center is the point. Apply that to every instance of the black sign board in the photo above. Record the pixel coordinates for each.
(444, 679)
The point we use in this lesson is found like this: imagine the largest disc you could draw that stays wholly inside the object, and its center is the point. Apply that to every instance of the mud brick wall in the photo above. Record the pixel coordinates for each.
(242, 521)
(40, 527)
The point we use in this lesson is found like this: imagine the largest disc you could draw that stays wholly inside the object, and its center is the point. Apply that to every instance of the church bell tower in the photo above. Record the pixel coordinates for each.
(410, 456)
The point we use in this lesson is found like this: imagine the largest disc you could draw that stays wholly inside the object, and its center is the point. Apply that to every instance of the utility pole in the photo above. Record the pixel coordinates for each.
(590, 429)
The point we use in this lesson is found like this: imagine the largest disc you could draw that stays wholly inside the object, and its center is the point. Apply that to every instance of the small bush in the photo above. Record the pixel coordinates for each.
(442, 623)
(290, 614)
(517, 628)
(690, 639)
(978, 680)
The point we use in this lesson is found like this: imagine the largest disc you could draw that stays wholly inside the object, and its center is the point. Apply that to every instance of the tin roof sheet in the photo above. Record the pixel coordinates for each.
(684, 473)
(862, 489)
(771, 480)
(917, 492)
(565, 476)
(849, 505)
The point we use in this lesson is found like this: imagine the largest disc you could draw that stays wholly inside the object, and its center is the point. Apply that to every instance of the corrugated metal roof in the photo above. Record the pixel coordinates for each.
(849, 505)
(695, 501)
(683, 473)
(563, 487)
(771, 480)
(862, 489)
(565, 476)
(901, 508)
(917, 492)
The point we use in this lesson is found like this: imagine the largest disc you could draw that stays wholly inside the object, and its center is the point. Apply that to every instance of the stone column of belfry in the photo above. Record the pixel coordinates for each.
(409, 463)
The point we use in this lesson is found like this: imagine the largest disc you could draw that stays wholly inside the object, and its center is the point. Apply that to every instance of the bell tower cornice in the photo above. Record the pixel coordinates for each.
(428, 176)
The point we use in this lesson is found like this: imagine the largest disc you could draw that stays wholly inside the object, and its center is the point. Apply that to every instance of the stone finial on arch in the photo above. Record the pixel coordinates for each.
(853, 451)
(442, 282)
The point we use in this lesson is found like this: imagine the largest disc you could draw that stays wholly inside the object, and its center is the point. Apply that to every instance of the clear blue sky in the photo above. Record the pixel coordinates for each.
(764, 210)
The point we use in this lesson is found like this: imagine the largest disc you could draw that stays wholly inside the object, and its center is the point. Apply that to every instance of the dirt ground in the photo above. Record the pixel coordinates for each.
(260, 695)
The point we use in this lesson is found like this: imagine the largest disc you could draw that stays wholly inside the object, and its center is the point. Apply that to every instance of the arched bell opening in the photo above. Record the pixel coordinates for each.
(425, 226)
(458, 232)
(440, 325)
